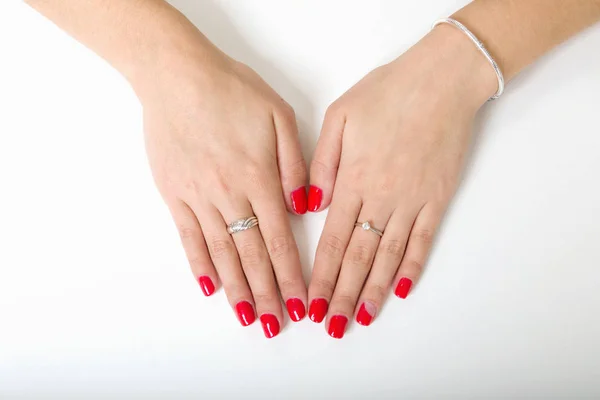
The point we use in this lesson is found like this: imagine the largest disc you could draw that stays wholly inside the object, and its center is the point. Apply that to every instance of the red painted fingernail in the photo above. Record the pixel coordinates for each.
(270, 325)
(317, 310)
(315, 196)
(366, 312)
(296, 309)
(337, 326)
(299, 200)
(207, 285)
(245, 313)
(403, 288)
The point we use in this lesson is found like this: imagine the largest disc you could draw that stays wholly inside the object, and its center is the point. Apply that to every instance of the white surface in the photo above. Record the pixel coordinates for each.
(96, 298)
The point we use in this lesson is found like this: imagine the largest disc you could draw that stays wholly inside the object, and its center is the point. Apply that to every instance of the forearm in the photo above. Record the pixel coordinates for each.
(517, 32)
(138, 37)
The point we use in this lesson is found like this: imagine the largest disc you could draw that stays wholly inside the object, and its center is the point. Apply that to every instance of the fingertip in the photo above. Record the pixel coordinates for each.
(245, 312)
(270, 325)
(296, 309)
(317, 310)
(403, 287)
(207, 285)
(337, 326)
(299, 200)
(366, 313)
(315, 198)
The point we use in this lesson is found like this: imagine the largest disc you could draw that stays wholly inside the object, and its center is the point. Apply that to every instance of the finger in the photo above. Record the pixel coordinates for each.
(281, 246)
(194, 245)
(225, 259)
(417, 250)
(326, 160)
(356, 265)
(292, 167)
(257, 268)
(339, 225)
(387, 259)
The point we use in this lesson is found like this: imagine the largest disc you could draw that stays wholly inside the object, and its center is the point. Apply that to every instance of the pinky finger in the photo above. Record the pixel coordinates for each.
(194, 245)
(417, 250)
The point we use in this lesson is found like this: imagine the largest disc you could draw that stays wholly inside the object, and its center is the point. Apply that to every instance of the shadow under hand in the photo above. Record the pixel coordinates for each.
(213, 22)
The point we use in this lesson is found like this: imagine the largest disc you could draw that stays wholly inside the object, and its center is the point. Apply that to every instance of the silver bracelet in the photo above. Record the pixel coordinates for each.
(481, 48)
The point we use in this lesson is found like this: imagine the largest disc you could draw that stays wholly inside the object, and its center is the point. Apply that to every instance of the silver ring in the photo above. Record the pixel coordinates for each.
(367, 227)
(242, 224)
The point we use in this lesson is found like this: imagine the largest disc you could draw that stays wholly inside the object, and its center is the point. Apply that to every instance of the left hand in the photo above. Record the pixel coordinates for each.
(391, 151)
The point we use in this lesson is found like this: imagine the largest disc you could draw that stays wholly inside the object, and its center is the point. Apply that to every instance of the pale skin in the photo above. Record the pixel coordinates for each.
(223, 145)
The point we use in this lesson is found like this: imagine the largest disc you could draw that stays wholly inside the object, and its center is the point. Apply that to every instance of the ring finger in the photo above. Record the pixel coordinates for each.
(224, 256)
(257, 267)
(356, 265)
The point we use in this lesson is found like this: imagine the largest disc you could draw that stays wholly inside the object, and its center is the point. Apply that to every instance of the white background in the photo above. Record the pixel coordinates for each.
(96, 299)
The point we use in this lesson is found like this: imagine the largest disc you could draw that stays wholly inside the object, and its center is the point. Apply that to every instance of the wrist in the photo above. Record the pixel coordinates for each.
(170, 48)
(455, 67)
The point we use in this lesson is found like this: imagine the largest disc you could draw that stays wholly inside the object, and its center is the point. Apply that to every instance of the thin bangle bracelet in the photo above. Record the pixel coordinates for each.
(481, 48)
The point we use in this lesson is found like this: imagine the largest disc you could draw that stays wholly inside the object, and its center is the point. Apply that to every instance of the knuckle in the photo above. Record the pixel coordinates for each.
(265, 298)
(332, 246)
(360, 254)
(345, 300)
(220, 248)
(394, 248)
(192, 186)
(287, 285)
(323, 285)
(251, 254)
(256, 177)
(425, 236)
(296, 169)
(320, 168)
(415, 266)
(186, 233)
(219, 180)
(279, 247)
(333, 110)
(354, 179)
(387, 183)
(235, 289)
(288, 111)
(377, 292)
(197, 260)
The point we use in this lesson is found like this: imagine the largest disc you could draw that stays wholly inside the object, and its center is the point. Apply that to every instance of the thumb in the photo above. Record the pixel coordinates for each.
(324, 166)
(292, 166)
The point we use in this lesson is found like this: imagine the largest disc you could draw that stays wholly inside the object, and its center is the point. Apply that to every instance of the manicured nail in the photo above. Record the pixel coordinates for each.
(207, 285)
(337, 326)
(403, 288)
(296, 309)
(365, 314)
(299, 200)
(245, 313)
(270, 325)
(315, 196)
(317, 310)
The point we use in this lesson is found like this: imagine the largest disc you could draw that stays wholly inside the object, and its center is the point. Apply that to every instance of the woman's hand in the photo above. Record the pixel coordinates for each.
(391, 151)
(223, 146)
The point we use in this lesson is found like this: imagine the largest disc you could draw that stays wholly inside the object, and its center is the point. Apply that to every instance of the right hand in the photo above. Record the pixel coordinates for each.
(222, 146)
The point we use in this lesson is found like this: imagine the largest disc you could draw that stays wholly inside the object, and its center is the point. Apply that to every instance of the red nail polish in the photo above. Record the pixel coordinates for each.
(299, 200)
(315, 196)
(295, 309)
(317, 310)
(365, 314)
(206, 284)
(270, 325)
(403, 288)
(245, 313)
(337, 326)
